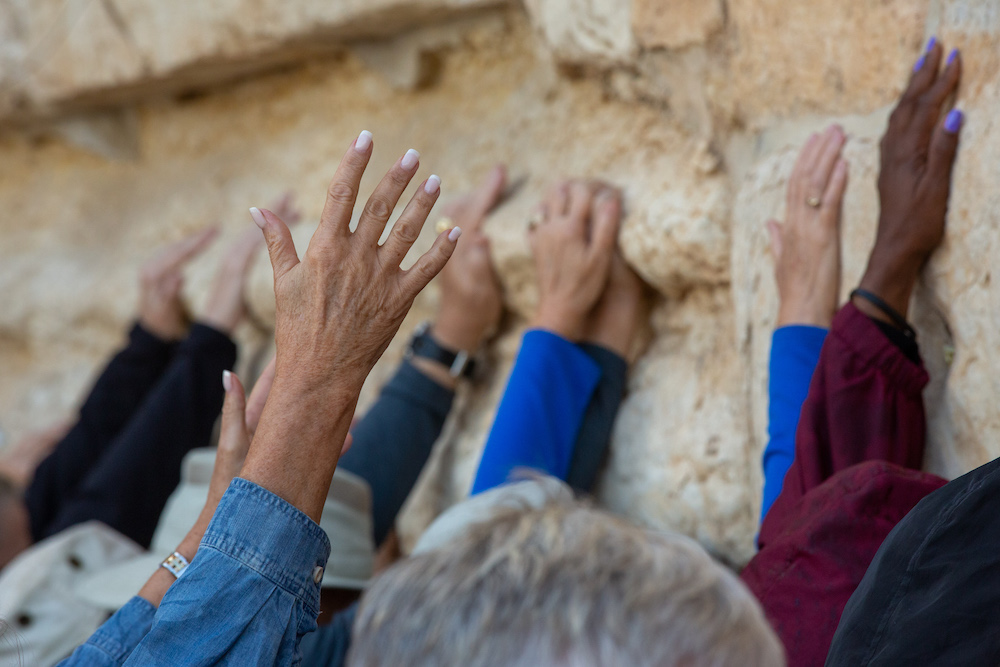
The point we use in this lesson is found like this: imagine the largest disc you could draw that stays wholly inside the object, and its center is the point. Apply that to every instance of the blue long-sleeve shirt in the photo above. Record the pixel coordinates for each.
(247, 598)
(794, 355)
(539, 417)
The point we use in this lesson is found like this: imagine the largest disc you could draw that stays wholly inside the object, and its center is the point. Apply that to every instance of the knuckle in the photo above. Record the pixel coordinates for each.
(379, 208)
(406, 231)
(341, 193)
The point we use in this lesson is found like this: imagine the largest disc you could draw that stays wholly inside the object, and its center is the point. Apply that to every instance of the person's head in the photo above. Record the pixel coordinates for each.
(566, 585)
(15, 532)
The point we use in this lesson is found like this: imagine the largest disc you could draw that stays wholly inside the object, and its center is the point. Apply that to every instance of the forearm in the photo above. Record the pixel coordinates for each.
(394, 439)
(294, 453)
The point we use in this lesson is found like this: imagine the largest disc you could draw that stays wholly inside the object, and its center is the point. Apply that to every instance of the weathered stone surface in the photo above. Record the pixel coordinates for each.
(65, 54)
(585, 32)
(821, 57)
(675, 24)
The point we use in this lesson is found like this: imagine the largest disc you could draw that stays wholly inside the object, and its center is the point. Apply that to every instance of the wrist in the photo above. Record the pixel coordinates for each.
(560, 322)
(456, 333)
(892, 280)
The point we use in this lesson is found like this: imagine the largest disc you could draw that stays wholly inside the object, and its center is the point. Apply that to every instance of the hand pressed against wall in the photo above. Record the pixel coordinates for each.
(573, 248)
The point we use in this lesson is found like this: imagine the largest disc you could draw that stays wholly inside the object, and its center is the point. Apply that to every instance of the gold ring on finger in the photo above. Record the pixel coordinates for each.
(814, 202)
(443, 225)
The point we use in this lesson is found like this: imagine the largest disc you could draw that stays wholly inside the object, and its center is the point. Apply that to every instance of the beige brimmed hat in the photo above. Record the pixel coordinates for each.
(530, 493)
(347, 521)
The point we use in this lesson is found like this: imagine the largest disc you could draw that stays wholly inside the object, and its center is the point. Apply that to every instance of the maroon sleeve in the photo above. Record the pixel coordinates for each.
(859, 447)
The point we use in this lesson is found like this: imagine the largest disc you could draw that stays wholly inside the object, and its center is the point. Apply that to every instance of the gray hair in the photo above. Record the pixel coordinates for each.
(566, 585)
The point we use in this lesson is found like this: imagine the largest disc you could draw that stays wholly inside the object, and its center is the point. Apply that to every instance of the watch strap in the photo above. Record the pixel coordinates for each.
(423, 346)
(175, 564)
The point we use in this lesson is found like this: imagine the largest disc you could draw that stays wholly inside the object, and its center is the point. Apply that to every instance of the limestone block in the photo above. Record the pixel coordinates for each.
(67, 54)
(585, 32)
(675, 24)
(815, 56)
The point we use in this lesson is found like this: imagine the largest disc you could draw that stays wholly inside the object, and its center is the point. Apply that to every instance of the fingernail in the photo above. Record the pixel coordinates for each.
(363, 141)
(227, 380)
(410, 159)
(953, 123)
(258, 217)
(931, 43)
(454, 234)
(920, 63)
(433, 184)
(952, 56)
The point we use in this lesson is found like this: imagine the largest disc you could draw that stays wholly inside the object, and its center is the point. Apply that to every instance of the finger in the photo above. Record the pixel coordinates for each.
(581, 197)
(774, 231)
(796, 189)
(486, 196)
(233, 433)
(943, 149)
(556, 201)
(925, 72)
(826, 162)
(383, 201)
(258, 397)
(342, 193)
(280, 247)
(834, 196)
(606, 220)
(407, 228)
(431, 263)
(177, 254)
(929, 110)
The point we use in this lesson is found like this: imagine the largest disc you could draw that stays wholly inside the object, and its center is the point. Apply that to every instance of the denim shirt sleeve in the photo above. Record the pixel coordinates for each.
(542, 408)
(794, 355)
(114, 641)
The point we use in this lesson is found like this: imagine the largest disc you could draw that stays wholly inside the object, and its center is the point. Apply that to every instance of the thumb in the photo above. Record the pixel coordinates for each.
(774, 229)
(233, 438)
(280, 247)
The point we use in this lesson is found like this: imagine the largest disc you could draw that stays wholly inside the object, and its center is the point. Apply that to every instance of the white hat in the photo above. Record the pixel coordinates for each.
(45, 620)
(346, 520)
(530, 493)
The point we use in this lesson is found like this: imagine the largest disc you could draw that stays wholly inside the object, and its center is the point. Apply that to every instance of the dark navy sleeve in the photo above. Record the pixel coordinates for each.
(539, 417)
(794, 355)
(394, 439)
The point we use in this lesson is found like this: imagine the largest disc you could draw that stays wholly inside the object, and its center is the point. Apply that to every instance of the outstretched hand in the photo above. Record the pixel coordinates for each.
(161, 309)
(337, 308)
(806, 248)
(918, 155)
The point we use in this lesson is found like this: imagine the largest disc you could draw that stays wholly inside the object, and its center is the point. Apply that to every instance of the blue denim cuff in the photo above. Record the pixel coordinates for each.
(269, 535)
(121, 633)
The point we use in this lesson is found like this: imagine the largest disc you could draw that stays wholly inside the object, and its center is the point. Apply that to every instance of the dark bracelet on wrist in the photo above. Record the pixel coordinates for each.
(894, 315)
(459, 363)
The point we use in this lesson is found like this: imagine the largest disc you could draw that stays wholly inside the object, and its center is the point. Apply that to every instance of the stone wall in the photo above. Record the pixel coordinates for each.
(127, 123)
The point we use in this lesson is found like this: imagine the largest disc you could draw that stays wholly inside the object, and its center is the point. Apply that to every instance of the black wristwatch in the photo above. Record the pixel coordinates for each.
(423, 345)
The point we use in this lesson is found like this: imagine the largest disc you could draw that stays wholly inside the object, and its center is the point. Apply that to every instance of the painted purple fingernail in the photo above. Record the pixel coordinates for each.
(952, 56)
(931, 44)
(953, 123)
(920, 64)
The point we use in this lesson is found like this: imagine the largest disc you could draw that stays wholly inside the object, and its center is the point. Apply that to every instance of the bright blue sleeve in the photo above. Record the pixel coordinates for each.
(794, 355)
(540, 415)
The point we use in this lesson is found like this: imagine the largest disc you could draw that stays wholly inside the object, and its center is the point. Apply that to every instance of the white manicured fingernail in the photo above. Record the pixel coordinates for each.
(410, 159)
(363, 142)
(227, 380)
(454, 234)
(258, 217)
(433, 184)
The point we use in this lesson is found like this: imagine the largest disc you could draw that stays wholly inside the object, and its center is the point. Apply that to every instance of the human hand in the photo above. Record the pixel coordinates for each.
(161, 310)
(339, 306)
(226, 305)
(614, 321)
(918, 155)
(471, 299)
(573, 247)
(806, 248)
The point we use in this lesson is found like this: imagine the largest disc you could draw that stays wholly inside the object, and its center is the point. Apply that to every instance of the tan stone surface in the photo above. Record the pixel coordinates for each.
(63, 54)
(815, 56)
(585, 32)
(675, 24)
